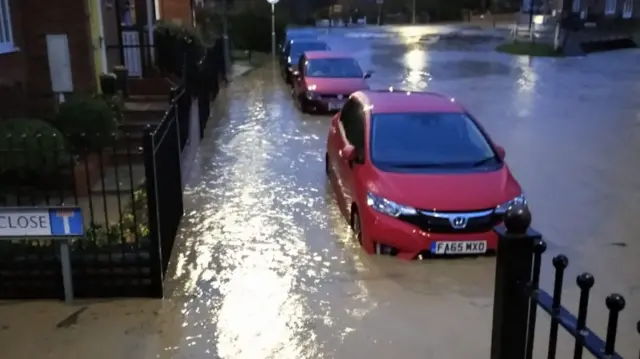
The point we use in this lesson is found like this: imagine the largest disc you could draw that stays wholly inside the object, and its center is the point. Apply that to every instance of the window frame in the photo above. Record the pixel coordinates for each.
(610, 7)
(627, 9)
(6, 43)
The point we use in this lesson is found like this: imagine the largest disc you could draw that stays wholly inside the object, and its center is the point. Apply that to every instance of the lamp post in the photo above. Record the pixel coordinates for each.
(225, 39)
(273, 26)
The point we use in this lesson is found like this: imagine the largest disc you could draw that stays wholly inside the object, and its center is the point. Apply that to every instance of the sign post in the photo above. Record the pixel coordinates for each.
(60, 224)
(273, 26)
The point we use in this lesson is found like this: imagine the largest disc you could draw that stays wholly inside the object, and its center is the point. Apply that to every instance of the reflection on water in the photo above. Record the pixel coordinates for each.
(416, 62)
(265, 266)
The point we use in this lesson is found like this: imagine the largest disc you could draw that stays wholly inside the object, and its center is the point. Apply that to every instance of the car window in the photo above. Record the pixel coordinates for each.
(352, 118)
(297, 48)
(429, 140)
(301, 63)
(334, 68)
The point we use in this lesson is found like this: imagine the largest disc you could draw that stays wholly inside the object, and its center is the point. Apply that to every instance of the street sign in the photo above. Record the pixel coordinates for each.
(61, 224)
(337, 8)
(41, 222)
(273, 2)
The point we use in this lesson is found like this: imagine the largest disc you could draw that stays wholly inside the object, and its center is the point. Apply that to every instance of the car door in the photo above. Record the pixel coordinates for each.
(352, 128)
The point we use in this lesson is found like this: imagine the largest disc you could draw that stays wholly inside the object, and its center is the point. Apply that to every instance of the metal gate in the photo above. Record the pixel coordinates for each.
(518, 296)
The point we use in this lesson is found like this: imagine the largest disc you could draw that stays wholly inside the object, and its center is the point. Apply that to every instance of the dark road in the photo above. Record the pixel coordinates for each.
(265, 266)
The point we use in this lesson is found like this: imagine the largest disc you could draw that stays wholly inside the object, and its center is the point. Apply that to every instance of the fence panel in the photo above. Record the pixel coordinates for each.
(105, 181)
(518, 296)
(164, 188)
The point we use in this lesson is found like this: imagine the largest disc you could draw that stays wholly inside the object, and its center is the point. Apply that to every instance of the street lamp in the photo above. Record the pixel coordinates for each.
(273, 26)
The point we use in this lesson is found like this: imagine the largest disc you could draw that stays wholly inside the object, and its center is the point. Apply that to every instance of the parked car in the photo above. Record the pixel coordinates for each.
(323, 80)
(292, 52)
(289, 36)
(415, 174)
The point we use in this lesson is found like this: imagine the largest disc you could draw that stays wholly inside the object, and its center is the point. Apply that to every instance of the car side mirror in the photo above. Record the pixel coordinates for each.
(348, 153)
(501, 152)
(368, 74)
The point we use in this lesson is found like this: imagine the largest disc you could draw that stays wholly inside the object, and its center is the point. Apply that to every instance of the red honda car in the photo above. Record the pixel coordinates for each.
(415, 174)
(325, 79)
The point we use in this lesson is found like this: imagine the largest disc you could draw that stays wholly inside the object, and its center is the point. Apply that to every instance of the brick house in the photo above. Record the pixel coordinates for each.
(25, 82)
(25, 86)
(595, 9)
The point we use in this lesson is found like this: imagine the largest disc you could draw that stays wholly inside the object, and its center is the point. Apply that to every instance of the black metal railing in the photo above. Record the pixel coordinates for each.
(114, 257)
(130, 191)
(518, 296)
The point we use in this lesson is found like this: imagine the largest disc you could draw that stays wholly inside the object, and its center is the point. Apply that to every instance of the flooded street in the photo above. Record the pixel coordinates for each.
(265, 267)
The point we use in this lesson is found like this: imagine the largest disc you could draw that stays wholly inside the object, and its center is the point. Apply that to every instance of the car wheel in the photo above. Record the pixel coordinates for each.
(304, 107)
(327, 165)
(356, 226)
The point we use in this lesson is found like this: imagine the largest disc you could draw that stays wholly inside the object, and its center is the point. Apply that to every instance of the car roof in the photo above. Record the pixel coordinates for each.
(394, 101)
(313, 55)
(306, 41)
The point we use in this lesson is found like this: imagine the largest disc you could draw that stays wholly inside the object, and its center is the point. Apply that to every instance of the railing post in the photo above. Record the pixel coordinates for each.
(155, 252)
(516, 246)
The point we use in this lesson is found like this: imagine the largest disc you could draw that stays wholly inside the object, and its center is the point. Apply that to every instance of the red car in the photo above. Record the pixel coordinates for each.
(324, 80)
(415, 174)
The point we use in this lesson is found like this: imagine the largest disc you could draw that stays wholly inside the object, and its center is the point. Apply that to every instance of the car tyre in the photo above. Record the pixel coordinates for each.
(304, 107)
(327, 165)
(356, 226)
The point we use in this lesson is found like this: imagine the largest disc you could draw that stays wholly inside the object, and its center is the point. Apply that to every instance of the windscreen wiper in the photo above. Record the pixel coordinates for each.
(427, 165)
(483, 162)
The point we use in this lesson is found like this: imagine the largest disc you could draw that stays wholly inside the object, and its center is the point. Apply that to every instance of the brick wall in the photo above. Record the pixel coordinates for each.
(29, 68)
(13, 75)
(178, 11)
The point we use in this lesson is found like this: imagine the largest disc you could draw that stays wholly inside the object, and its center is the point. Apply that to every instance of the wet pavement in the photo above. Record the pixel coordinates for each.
(264, 266)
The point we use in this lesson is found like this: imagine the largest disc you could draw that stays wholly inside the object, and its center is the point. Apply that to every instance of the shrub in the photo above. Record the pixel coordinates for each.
(171, 43)
(88, 121)
(252, 31)
(30, 149)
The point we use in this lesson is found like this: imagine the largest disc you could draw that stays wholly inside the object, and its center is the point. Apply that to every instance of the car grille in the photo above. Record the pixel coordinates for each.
(440, 222)
(332, 97)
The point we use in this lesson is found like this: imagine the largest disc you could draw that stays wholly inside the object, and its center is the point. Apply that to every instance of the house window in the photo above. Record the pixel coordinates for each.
(6, 37)
(610, 7)
(627, 9)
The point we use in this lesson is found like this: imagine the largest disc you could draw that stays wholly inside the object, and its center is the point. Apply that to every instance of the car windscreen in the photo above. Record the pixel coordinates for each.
(429, 140)
(297, 48)
(342, 68)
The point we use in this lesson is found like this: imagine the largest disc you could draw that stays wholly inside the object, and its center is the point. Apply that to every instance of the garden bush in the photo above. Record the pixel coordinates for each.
(171, 43)
(30, 149)
(252, 31)
(88, 120)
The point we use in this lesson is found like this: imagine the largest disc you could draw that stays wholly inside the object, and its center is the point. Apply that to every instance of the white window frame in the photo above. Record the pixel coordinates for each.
(627, 9)
(610, 6)
(6, 32)
(576, 6)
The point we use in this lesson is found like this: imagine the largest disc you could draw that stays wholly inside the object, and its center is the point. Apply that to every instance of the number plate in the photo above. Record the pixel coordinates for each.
(459, 247)
(335, 105)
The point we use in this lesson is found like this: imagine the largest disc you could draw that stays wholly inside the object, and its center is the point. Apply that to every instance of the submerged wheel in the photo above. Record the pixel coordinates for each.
(304, 107)
(356, 226)
(327, 165)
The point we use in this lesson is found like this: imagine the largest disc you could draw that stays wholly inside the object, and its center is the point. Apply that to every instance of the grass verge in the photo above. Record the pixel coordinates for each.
(529, 48)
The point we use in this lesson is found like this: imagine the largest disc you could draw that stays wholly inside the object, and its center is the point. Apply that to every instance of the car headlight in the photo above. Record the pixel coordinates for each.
(502, 209)
(388, 207)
